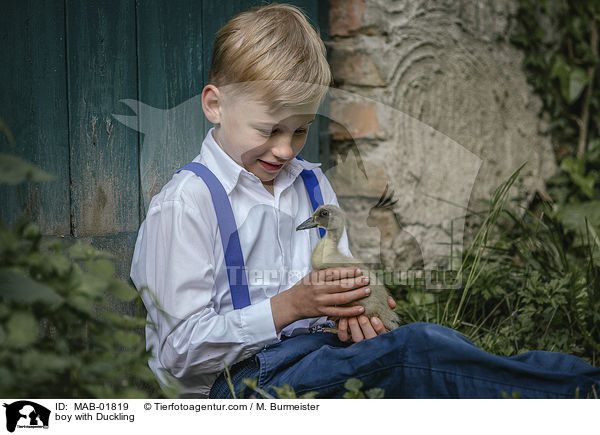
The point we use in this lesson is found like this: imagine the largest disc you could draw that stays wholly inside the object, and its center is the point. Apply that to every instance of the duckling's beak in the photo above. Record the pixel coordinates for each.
(308, 223)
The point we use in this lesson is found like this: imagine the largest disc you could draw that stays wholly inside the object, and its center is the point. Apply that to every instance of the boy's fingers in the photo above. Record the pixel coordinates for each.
(345, 297)
(343, 311)
(378, 326)
(349, 283)
(345, 284)
(366, 327)
(343, 329)
(355, 330)
(391, 302)
(337, 273)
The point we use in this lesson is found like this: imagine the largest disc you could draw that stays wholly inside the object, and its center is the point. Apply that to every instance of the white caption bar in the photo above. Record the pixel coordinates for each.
(150, 416)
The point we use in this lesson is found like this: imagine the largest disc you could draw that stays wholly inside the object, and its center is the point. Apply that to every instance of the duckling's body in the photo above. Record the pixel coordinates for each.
(326, 254)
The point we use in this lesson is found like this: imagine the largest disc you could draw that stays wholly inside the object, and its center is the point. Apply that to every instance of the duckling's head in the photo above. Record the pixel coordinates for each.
(327, 216)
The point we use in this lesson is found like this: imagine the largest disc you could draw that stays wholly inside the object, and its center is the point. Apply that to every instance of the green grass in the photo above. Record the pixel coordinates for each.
(527, 285)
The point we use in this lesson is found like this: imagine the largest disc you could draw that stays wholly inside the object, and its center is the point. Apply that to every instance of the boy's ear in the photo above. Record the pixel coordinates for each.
(211, 103)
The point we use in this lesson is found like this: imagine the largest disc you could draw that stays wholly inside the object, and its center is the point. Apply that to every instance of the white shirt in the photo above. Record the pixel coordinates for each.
(179, 256)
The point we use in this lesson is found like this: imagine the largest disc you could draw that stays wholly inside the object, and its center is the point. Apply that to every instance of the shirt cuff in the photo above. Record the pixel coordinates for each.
(257, 322)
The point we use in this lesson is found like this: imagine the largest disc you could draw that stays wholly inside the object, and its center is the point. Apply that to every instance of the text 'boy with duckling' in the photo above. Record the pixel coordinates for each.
(233, 212)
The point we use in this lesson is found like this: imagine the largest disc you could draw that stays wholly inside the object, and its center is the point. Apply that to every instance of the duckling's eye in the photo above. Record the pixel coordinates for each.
(324, 213)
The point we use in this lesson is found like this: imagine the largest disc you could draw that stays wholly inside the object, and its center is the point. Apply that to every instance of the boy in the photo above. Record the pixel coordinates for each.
(231, 276)
(252, 151)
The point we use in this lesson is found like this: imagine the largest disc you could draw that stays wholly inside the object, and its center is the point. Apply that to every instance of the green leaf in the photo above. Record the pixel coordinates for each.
(252, 383)
(59, 264)
(576, 170)
(122, 291)
(93, 286)
(560, 69)
(102, 268)
(34, 360)
(82, 251)
(133, 393)
(353, 395)
(80, 303)
(513, 395)
(375, 393)
(353, 384)
(124, 321)
(573, 216)
(586, 184)
(593, 153)
(16, 286)
(99, 391)
(31, 231)
(572, 78)
(99, 367)
(127, 339)
(573, 166)
(14, 170)
(578, 79)
(8, 239)
(22, 330)
(285, 392)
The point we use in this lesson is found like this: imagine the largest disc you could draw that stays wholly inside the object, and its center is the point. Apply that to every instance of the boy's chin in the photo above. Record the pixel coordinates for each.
(267, 180)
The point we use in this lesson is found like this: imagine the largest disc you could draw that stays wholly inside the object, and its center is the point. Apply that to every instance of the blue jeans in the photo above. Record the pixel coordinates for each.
(419, 360)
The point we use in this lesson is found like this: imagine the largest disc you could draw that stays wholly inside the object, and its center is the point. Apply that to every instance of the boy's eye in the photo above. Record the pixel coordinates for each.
(269, 132)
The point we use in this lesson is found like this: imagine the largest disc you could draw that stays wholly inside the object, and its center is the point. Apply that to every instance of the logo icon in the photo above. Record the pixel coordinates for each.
(26, 414)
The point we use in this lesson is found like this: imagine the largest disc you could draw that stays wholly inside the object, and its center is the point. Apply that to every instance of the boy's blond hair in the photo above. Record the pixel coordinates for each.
(272, 53)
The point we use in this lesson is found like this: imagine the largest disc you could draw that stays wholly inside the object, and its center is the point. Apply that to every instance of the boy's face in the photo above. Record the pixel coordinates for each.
(261, 141)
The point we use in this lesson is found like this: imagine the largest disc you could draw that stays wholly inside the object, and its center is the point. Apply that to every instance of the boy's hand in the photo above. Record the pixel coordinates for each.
(318, 294)
(360, 327)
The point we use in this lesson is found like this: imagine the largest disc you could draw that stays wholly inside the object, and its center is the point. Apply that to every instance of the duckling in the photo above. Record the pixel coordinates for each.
(326, 255)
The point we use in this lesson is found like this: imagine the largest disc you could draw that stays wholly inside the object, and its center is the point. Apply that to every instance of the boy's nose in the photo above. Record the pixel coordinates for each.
(282, 148)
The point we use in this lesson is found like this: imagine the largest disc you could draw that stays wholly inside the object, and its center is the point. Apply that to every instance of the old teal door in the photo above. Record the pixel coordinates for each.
(71, 77)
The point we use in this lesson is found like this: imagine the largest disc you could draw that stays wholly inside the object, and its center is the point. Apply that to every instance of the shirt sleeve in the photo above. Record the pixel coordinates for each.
(174, 257)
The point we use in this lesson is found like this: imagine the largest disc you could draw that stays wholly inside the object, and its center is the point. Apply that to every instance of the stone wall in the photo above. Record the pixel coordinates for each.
(433, 97)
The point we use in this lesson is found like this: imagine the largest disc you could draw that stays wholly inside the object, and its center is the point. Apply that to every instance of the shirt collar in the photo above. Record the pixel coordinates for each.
(228, 171)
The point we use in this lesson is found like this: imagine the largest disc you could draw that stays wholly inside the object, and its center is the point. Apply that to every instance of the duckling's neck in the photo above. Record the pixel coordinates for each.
(334, 235)
(329, 245)
(326, 253)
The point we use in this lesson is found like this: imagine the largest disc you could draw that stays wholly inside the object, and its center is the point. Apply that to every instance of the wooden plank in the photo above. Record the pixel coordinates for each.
(33, 105)
(170, 87)
(104, 153)
(311, 150)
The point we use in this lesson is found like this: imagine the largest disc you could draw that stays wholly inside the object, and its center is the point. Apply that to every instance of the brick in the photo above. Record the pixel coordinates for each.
(345, 16)
(353, 67)
(360, 119)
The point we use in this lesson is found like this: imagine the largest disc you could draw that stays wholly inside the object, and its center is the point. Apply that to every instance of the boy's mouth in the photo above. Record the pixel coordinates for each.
(271, 167)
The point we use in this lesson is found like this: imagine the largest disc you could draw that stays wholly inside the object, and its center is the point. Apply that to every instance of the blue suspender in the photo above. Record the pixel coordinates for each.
(314, 191)
(234, 259)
